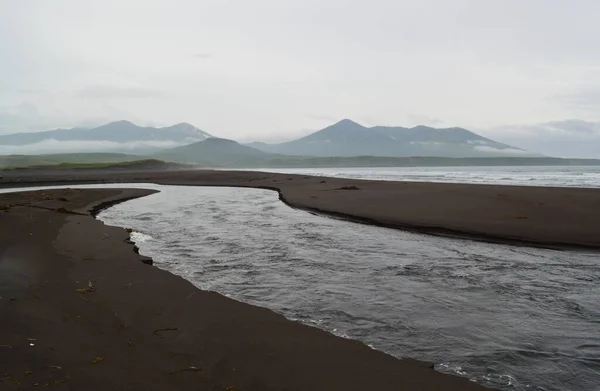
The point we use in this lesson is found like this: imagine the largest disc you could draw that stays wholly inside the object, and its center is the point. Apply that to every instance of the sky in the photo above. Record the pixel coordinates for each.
(521, 72)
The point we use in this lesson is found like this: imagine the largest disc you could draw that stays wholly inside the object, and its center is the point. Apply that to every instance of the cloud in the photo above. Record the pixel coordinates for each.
(320, 117)
(508, 151)
(256, 77)
(568, 138)
(104, 91)
(573, 127)
(55, 146)
(588, 98)
(31, 91)
(26, 117)
(421, 119)
(202, 56)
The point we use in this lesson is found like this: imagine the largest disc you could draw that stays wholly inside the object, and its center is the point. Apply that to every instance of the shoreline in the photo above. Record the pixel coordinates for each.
(444, 232)
(544, 217)
(83, 307)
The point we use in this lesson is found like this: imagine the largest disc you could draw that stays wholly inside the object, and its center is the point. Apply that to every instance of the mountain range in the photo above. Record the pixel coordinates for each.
(112, 137)
(187, 144)
(348, 138)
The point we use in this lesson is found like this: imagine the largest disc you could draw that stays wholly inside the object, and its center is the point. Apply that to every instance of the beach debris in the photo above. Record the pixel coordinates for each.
(5, 346)
(97, 360)
(191, 368)
(4, 208)
(63, 199)
(323, 181)
(158, 331)
(53, 383)
(54, 366)
(522, 217)
(90, 288)
(230, 388)
(348, 188)
(31, 341)
(130, 230)
(66, 211)
(27, 373)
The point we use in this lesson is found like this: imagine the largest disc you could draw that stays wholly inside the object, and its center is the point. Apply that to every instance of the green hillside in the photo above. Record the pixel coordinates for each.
(8, 161)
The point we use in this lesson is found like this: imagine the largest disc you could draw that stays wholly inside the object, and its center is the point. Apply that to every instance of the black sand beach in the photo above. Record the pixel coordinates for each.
(561, 218)
(81, 311)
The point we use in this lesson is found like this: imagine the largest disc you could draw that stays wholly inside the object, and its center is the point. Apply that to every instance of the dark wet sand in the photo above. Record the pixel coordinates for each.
(80, 311)
(563, 218)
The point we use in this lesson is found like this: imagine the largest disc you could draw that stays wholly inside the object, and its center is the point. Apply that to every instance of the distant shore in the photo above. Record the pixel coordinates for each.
(81, 311)
(559, 218)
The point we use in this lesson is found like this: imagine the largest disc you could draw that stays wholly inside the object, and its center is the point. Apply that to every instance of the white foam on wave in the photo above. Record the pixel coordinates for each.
(571, 176)
(139, 237)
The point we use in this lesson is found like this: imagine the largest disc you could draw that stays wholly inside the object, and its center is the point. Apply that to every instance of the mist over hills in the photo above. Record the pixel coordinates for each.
(348, 138)
(216, 152)
(119, 136)
(344, 143)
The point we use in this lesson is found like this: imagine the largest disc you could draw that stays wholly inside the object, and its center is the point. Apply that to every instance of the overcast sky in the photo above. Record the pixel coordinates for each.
(272, 69)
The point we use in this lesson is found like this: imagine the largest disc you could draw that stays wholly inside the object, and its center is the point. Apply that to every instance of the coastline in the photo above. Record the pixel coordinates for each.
(546, 217)
(81, 310)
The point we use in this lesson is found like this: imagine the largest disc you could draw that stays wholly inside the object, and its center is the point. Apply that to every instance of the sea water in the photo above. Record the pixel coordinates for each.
(568, 176)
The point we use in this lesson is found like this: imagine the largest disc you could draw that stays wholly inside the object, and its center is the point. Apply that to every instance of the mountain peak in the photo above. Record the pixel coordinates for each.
(348, 138)
(347, 122)
(219, 141)
(188, 129)
(183, 125)
(121, 123)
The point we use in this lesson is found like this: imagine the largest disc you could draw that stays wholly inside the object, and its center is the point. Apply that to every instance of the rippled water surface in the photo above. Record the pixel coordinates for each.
(568, 176)
(513, 318)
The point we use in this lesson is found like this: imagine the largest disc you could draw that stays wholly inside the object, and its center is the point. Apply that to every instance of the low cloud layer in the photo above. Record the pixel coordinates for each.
(110, 92)
(505, 151)
(55, 146)
(570, 138)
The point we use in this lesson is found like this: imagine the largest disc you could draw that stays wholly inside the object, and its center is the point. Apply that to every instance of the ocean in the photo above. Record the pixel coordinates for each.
(571, 176)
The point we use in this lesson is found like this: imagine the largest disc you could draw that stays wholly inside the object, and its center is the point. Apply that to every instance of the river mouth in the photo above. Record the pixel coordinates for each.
(512, 318)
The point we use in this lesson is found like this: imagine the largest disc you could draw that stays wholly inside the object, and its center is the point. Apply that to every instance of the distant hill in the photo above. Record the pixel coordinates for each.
(8, 161)
(348, 138)
(423, 161)
(136, 165)
(217, 152)
(115, 136)
(229, 154)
